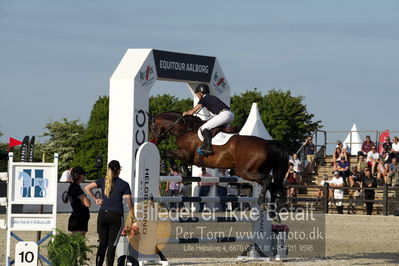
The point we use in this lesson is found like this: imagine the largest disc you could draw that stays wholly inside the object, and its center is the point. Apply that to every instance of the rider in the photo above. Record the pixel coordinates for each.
(223, 115)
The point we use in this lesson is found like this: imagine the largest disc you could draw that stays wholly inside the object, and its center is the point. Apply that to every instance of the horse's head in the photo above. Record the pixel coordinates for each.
(171, 122)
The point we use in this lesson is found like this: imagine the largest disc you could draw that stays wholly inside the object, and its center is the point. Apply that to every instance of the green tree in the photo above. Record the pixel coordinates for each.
(241, 105)
(287, 118)
(166, 102)
(94, 141)
(284, 116)
(3, 157)
(63, 139)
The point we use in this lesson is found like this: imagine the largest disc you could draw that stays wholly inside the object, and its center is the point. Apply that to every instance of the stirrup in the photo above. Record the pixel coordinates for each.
(202, 152)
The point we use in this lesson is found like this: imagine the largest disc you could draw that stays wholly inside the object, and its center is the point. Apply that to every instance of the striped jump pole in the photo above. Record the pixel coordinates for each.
(213, 220)
(212, 179)
(205, 199)
(147, 194)
(204, 240)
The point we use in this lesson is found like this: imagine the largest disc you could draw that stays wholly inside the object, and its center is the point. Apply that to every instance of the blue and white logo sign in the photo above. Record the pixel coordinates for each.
(33, 185)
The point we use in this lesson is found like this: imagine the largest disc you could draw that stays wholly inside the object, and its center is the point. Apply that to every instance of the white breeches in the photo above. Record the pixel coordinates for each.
(223, 118)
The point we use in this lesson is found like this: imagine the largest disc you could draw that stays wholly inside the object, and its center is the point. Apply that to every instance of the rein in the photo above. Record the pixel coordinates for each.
(163, 135)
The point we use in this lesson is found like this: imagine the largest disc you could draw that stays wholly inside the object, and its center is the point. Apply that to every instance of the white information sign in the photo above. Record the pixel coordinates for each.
(27, 223)
(26, 253)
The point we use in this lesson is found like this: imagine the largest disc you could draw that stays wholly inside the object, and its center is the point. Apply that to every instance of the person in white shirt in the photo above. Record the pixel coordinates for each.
(66, 176)
(372, 159)
(336, 183)
(395, 147)
(297, 163)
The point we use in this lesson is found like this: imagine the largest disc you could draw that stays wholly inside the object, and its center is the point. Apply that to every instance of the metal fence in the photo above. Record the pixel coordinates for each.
(386, 201)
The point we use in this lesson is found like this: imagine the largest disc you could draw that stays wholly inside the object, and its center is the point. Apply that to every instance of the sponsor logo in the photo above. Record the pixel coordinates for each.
(140, 119)
(146, 76)
(187, 67)
(218, 82)
(181, 66)
(33, 184)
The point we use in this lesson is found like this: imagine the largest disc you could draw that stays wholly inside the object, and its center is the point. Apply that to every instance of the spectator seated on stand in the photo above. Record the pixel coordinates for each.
(344, 148)
(395, 147)
(372, 159)
(355, 177)
(297, 163)
(290, 180)
(386, 150)
(343, 168)
(393, 173)
(320, 193)
(366, 147)
(382, 172)
(336, 158)
(336, 184)
(362, 163)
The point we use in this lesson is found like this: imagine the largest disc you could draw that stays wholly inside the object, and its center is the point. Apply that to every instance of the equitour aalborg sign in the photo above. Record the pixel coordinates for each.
(178, 66)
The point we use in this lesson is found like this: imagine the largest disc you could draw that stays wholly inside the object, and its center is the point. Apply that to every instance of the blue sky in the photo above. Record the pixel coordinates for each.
(56, 57)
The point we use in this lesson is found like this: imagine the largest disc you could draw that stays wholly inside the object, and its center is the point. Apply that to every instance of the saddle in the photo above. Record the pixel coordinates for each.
(224, 129)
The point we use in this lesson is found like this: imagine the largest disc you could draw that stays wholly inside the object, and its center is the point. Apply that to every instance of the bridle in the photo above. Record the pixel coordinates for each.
(166, 132)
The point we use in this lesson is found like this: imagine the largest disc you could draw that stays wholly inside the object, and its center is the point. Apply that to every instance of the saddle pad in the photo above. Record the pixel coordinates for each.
(220, 139)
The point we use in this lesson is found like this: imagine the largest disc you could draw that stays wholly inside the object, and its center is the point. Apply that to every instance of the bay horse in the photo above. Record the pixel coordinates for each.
(252, 158)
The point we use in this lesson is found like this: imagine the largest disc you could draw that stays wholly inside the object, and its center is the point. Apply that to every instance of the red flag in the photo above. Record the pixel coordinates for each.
(13, 142)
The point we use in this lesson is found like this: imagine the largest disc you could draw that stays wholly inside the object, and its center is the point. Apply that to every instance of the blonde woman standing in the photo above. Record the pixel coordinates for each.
(110, 215)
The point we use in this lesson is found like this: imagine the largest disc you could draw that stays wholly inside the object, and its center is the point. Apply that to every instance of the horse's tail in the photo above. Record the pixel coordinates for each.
(278, 159)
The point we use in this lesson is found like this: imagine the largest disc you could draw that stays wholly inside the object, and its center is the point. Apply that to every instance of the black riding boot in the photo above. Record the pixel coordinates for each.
(207, 143)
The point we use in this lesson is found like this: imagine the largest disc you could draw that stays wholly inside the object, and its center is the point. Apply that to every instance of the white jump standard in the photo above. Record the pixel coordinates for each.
(29, 183)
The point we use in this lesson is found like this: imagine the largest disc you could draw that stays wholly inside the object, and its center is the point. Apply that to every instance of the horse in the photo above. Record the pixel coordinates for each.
(252, 158)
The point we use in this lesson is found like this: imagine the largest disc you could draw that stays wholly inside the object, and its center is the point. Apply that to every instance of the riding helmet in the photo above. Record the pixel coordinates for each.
(202, 88)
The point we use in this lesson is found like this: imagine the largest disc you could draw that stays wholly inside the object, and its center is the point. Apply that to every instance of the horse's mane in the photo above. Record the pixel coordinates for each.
(190, 121)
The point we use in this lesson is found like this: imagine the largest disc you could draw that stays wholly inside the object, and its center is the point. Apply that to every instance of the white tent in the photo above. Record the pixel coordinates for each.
(354, 140)
(254, 125)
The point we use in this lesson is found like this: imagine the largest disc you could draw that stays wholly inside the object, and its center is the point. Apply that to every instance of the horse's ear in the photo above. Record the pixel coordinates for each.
(150, 116)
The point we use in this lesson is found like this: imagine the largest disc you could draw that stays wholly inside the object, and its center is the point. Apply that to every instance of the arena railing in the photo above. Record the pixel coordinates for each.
(386, 201)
